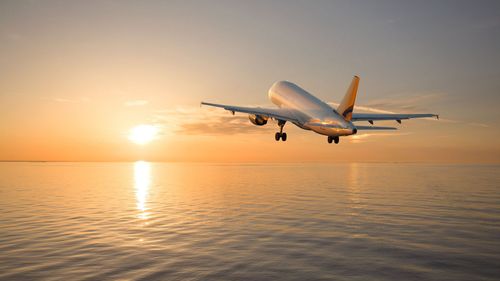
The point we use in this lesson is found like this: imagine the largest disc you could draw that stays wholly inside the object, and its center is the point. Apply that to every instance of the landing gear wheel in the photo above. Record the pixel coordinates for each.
(277, 136)
(280, 135)
(333, 139)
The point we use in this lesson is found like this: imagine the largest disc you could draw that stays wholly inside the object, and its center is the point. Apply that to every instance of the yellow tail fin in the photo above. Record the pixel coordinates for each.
(347, 105)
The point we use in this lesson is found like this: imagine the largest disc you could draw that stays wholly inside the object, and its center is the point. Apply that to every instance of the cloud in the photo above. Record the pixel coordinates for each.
(132, 103)
(364, 108)
(408, 102)
(400, 103)
(229, 125)
(66, 100)
(208, 121)
(476, 124)
(360, 138)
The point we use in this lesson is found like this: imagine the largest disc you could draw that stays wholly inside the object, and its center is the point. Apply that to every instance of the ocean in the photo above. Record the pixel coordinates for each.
(169, 221)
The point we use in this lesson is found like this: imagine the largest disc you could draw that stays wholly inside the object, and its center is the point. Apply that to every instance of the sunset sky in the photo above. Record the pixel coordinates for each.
(77, 76)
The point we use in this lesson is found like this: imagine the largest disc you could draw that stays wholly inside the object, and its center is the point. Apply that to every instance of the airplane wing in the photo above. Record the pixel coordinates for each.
(276, 113)
(398, 117)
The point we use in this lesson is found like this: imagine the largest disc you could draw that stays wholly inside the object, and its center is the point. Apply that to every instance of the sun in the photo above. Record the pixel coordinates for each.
(143, 134)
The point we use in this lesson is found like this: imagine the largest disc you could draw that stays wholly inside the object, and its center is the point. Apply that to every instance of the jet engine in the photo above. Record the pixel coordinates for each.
(257, 119)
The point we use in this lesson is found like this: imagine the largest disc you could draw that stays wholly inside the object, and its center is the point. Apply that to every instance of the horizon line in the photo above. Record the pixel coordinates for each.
(252, 162)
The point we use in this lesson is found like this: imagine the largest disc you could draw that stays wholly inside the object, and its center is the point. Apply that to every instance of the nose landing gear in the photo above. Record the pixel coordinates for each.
(333, 139)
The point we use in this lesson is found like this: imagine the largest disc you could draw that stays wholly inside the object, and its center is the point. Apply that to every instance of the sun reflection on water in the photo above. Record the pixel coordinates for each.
(142, 182)
(354, 188)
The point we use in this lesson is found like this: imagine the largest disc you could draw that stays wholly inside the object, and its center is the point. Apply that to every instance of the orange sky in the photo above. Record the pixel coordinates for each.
(74, 79)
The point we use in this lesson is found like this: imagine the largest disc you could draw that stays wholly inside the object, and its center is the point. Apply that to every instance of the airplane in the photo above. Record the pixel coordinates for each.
(307, 112)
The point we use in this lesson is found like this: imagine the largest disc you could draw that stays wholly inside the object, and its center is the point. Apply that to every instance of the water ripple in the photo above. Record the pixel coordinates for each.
(152, 221)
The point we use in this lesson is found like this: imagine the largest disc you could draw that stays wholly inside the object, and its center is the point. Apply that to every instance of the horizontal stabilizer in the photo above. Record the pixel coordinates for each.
(376, 117)
(375, 128)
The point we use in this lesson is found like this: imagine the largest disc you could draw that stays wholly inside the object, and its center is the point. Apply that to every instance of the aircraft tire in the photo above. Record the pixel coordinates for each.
(283, 137)
(277, 136)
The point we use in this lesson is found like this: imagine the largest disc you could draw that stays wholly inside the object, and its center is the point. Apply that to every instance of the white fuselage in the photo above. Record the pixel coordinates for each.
(310, 112)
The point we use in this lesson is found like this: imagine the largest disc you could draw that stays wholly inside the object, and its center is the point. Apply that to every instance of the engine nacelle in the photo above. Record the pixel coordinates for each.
(257, 119)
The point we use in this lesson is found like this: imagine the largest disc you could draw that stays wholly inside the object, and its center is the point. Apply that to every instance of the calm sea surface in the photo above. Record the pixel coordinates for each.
(159, 221)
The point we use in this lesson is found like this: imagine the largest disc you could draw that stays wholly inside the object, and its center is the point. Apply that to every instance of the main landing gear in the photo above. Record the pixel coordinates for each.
(334, 139)
(280, 135)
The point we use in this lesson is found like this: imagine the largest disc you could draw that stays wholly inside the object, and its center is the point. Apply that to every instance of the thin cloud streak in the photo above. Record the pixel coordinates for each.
(364, 108)
(132, 103)
(360, 138)
(409, 105)
(398, 104)
(408, 102)
(198, 121)
(476, 124)
(66, 100)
